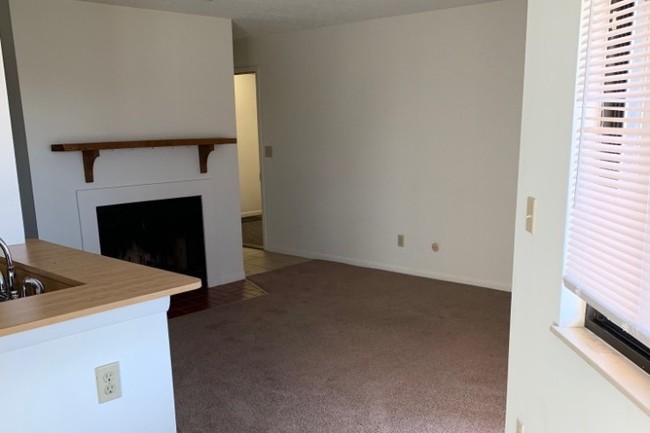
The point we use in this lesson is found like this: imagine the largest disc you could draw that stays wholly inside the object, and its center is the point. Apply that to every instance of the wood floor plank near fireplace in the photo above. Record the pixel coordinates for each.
(255, 262)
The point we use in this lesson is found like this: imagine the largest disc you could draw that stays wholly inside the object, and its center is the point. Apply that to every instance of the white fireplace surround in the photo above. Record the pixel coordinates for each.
(89, 199)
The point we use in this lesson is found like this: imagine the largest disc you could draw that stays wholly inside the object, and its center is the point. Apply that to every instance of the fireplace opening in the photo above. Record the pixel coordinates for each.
(164, 234)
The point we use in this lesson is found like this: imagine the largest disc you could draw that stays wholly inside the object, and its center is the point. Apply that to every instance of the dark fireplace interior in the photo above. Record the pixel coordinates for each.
(164, 234)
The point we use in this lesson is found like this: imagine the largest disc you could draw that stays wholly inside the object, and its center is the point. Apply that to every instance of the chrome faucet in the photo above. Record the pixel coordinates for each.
(7, 286)
(35, 284)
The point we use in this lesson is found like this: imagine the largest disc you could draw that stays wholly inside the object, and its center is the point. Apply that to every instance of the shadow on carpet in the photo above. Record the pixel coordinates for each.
(337, 348)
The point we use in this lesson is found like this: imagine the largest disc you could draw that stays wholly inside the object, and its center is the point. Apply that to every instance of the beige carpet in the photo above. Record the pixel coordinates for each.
(336, 348)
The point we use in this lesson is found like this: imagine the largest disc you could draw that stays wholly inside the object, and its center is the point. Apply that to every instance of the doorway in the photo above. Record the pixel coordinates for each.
(248, 148)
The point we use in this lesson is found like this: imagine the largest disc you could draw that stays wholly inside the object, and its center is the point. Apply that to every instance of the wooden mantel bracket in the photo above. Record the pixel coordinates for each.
(204, 152)
(89, 157)
(90, 151)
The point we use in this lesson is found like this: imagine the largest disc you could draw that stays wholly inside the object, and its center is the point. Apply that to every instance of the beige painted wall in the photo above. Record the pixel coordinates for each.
(248, 147)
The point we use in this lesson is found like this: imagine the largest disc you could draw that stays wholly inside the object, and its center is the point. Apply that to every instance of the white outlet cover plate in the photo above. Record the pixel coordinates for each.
(108, 382)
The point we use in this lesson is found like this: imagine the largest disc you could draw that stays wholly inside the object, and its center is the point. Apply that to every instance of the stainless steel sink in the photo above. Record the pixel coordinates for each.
(51, 282)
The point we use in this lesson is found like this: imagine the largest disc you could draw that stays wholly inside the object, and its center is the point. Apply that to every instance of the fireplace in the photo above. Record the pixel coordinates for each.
(165, 234)
(219, 243)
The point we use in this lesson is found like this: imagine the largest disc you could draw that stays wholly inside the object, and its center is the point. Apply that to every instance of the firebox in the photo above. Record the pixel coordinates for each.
(164, 234)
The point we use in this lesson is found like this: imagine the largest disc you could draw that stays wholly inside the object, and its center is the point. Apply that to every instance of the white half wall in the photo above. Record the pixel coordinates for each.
(405, 125)
(11, 218)
(248, 144)
(550, 388)
(95, 72)
(50, 374)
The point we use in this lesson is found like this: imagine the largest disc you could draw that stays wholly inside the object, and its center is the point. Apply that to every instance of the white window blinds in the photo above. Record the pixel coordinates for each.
(608, 250)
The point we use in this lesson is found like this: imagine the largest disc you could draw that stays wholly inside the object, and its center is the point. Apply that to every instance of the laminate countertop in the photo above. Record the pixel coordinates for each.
(98, 284)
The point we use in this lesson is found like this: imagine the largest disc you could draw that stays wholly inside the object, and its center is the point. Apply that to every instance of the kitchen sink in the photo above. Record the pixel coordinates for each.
(51, 282)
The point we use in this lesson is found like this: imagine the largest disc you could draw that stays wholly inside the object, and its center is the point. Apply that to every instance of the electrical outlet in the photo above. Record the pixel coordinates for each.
(108, 382)
(520, 426)
(268, 151)
(400, 241)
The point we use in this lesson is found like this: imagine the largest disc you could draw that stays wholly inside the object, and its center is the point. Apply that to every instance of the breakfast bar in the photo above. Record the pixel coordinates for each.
(96, 311)
(84, 284)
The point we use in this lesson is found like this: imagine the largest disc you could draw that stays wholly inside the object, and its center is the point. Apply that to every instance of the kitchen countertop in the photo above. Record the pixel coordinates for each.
(99, 284)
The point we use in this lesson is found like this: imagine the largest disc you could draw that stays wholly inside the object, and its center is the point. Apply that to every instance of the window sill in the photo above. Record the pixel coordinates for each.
(617, 369)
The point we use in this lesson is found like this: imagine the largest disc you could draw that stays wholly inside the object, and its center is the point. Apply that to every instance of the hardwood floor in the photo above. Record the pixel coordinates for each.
(258, 261)
(255, 262)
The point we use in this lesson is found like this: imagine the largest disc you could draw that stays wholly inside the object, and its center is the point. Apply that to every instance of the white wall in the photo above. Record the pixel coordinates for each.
(94, 72)
(49, 374)
(11, 222)
(401, 125)
(248, 145)
(550, 388)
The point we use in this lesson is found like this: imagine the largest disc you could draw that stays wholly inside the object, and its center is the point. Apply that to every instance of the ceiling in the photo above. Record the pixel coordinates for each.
(260, 17)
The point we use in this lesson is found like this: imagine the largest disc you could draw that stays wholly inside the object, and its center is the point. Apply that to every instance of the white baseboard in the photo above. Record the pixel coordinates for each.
(251, 213)
(392, 268)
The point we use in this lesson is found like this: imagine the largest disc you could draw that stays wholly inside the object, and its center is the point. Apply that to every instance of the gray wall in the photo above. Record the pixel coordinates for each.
(17, 122)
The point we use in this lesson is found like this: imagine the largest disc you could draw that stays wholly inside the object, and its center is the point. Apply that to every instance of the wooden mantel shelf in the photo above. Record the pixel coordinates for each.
(90, 151)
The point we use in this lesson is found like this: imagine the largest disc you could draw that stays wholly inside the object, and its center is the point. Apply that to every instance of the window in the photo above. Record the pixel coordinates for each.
(620, 340)
(608, 247)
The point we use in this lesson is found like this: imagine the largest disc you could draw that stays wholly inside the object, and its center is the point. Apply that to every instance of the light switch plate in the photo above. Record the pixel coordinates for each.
(531, 208)
(520, 426)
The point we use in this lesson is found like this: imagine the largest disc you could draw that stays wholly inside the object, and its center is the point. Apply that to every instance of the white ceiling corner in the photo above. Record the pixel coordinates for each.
(260, 17)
